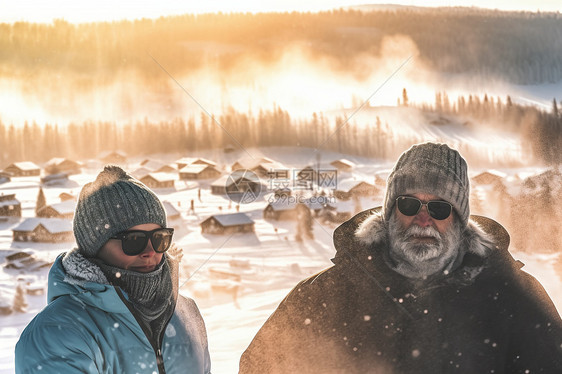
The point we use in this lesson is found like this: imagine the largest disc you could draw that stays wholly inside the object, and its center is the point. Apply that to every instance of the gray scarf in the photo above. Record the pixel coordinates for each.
(152, 294)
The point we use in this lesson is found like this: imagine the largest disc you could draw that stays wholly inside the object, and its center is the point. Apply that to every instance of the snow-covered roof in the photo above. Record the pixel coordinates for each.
(160, 177)
(52, 225)
(269, 165)
(9, 203)
(25, 165)
(343, 161)
(195, 160)
(222, 181)
(493, 172)
(227, 180)
(64, 207)
(232, 219)
(55, 161)
(283, 204)
(195, 168)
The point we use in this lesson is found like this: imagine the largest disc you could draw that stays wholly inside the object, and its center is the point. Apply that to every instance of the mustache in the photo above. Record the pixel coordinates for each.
(417, 231)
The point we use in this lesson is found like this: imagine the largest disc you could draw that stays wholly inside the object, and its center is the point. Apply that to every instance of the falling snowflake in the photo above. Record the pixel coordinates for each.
(171, 331)
(367, 318)
(106, 226)
(116, 325)
(118, 275)
(416, 353)
(307, 321)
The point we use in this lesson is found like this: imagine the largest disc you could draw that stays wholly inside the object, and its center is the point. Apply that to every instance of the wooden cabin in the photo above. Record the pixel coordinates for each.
(199, 171)
(283, 209)
(222, 224)
(348, 189)
(58, 165)
(236, 183)
(10, 206)
(49, 230)
(62, 210)
(186, 161)
(23, 169)
(158, 180)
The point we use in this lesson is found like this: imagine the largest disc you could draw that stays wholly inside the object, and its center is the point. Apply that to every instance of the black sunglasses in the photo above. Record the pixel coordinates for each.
(410, 206)
(134, 242)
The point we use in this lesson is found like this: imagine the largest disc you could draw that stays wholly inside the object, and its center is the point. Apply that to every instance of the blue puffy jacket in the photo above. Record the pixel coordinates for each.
(87, 328)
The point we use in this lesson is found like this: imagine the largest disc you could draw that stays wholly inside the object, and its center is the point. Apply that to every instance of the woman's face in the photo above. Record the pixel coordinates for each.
(112, 254)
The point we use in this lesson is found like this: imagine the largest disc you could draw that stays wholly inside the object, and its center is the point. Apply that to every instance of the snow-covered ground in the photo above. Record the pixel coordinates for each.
(264, 265)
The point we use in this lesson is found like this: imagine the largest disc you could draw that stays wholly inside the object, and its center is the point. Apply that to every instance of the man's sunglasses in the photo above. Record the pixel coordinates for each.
(410, 206)
(134, 242)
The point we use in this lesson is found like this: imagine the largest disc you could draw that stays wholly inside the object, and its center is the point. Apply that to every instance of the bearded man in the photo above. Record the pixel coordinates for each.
(418, 286)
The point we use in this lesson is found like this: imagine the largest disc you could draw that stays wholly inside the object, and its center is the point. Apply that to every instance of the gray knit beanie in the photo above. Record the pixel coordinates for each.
(114, 202)
(431, 168)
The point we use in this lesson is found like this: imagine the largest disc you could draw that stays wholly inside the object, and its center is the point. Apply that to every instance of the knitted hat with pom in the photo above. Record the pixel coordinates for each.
(431, 168)
(114, 202)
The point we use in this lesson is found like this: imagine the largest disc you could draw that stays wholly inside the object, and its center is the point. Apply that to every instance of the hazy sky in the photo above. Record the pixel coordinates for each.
(87, 11)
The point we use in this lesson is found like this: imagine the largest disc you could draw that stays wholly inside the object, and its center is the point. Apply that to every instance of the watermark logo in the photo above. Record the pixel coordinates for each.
(243, 186)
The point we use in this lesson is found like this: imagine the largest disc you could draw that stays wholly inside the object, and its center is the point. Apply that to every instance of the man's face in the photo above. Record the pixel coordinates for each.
(112, 254)
(421, 243)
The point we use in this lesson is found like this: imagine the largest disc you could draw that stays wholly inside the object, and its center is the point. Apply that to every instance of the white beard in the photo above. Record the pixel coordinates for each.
(419, 260)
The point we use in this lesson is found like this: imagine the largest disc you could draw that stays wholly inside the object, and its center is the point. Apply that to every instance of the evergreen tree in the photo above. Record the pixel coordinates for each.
(41, 201)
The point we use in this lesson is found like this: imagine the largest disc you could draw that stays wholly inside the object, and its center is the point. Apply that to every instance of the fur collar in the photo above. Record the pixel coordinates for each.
(372, 231)
(80, 270)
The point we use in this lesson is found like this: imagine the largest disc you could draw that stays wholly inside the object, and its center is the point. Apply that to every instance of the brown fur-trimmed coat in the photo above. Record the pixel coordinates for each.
(358, 316)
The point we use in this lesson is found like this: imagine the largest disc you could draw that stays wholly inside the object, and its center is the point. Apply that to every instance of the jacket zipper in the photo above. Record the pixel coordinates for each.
(155, 345)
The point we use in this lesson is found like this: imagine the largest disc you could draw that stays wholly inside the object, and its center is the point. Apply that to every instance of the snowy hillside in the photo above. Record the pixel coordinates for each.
(237, 280)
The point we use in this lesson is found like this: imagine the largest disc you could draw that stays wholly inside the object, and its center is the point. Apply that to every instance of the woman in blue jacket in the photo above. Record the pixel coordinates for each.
(113, 303)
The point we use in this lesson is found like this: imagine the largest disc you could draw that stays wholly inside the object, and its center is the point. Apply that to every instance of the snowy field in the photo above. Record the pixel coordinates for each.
(261, 267)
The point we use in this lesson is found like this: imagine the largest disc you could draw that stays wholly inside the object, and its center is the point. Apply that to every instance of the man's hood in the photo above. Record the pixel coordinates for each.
(72, 274)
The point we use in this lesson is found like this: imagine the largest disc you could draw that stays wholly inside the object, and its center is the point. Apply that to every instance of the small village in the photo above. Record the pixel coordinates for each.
(326, 194)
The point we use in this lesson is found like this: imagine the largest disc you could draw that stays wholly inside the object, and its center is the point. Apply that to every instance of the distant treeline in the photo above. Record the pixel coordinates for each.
(517, 46)
(541, 132)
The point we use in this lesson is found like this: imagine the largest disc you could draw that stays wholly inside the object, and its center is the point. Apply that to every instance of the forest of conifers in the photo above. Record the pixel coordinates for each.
(541, 131)
(519, 48)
